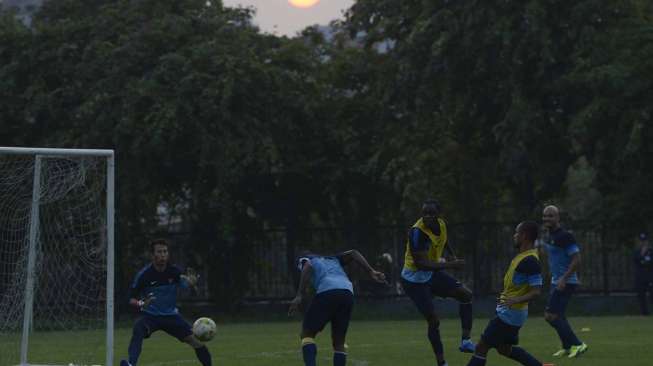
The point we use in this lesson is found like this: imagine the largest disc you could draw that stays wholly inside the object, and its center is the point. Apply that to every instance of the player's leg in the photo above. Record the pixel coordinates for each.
(577, 346)
(464, 297)
(504, 337)
(143, 328)
(552, 316)
(201, 351)
(489, 339)
(650, 291)
(444, 285)
(315, 319)
(480, 354)
(509, 346)
(309, 348)
(434, 337)
(177, 327)
(555, 316)
(642, 287)
(420, 294)
(518, 354)
(339, 325)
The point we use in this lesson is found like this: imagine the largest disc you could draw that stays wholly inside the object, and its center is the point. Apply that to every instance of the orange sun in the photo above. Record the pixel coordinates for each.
(303, 3)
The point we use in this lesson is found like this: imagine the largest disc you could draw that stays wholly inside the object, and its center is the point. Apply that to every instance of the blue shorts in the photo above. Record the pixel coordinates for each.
(558, 300)
(441, 284)
(498, 333)
(174, 325)
(333, 306)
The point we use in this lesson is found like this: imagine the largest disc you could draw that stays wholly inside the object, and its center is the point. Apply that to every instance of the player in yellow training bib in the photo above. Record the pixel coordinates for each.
(521, 284)
(423, 277)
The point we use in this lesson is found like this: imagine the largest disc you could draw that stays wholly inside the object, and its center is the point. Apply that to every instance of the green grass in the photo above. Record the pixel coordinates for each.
(612, 340)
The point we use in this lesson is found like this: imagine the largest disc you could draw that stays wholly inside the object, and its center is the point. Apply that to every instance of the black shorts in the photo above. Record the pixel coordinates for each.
(174, 325)
(498, 333)
(558, 300)
(333, 306)
(441, 284)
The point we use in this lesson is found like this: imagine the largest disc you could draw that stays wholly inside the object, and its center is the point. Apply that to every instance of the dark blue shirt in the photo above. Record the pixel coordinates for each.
(162, 285)
(419, 241)
(529, 272)
(643, 262)
(561, 246)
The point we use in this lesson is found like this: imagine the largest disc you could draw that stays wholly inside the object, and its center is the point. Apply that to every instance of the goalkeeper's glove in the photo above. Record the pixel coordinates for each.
(143, 303)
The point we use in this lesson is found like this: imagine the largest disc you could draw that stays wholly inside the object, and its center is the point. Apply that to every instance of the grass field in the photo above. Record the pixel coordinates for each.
(613, 341)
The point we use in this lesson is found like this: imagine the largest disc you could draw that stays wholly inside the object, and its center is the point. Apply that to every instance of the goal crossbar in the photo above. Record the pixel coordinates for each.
(55, 152)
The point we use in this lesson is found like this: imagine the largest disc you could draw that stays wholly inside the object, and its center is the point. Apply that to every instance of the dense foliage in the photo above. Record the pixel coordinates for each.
(494, 107)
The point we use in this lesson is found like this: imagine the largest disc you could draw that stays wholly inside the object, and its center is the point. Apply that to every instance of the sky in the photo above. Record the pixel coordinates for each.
(281, 18)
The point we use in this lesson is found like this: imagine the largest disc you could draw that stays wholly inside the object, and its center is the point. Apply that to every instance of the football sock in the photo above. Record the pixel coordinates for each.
(571, 336)
(339, 358)
(136, 344)
(465, 312)
(520, 355)
(203, 356)
(476, 361)
(559, 326)
(436, 342)
(566, 334)
(309, 350)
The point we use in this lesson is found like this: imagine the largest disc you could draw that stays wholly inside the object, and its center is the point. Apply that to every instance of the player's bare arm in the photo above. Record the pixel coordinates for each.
(573, 267)
(532, 294)
(449, 252)
(304, 280)
(356, 256)
(424, 264)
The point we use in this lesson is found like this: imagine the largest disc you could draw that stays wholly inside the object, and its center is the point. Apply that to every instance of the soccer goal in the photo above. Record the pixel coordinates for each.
(56, 256)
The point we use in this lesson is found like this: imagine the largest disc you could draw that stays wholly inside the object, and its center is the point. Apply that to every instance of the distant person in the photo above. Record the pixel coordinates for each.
(643, 258)
(333, 302)
(154, 295)
(521, 284)
(564, 259)
(423, 277)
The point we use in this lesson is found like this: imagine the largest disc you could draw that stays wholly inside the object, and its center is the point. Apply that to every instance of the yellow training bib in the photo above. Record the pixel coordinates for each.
(438, 242)
(509, 287)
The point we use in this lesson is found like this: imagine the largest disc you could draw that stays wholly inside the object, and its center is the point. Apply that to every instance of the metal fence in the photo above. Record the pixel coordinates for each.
(487, 247)
(260, 265)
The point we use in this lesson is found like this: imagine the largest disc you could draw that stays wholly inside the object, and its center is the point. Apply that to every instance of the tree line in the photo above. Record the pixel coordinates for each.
(493, 107)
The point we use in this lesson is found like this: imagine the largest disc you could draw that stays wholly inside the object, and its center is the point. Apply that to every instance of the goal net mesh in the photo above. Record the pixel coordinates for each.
(69, 315)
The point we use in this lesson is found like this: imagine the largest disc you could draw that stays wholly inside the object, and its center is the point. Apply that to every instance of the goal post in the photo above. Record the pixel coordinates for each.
(57, 245)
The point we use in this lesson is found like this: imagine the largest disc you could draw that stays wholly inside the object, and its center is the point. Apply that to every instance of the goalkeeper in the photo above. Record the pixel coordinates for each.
(154, 295)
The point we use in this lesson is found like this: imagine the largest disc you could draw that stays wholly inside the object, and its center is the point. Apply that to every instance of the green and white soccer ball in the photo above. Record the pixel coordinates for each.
(204, 329)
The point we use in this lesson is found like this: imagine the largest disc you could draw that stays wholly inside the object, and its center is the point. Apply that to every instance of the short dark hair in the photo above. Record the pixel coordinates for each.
(159, 241)
(531, 229)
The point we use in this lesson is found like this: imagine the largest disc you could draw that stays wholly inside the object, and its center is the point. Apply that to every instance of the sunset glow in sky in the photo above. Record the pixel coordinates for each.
(287, 17)
(303, 3)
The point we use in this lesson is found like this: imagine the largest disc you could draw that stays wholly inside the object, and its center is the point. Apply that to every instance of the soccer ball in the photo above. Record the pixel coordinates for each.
(204, 329)
(386, 258)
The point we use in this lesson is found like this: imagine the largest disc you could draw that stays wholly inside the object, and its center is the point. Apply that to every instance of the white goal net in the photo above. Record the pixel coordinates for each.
(56, 257)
